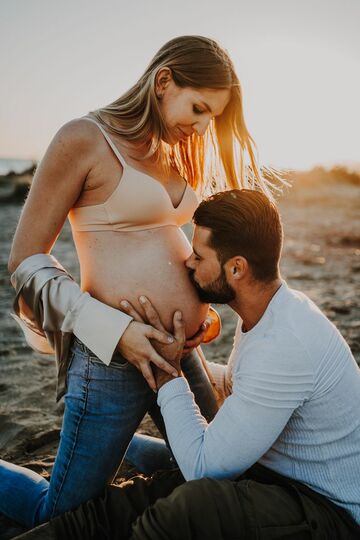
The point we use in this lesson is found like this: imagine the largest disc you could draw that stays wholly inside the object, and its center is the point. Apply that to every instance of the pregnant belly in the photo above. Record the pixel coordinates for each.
(116, 266)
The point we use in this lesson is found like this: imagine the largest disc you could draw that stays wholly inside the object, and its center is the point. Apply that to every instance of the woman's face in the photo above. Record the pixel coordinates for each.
(188, 110)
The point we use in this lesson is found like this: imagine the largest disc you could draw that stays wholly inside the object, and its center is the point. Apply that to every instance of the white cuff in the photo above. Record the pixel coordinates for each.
(100, 328)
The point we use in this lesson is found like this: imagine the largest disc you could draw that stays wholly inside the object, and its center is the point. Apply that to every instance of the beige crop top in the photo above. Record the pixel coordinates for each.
(138, 202)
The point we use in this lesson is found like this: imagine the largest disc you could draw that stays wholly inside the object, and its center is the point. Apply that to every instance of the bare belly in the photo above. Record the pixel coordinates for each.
(124, 265)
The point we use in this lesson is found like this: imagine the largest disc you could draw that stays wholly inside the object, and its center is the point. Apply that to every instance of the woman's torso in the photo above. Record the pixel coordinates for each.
(118, 262)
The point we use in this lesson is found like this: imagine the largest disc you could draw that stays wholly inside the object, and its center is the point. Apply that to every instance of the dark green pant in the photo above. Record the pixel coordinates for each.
(258, 505)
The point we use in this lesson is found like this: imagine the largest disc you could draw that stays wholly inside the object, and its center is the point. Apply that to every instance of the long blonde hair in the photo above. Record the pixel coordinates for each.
(225, 156)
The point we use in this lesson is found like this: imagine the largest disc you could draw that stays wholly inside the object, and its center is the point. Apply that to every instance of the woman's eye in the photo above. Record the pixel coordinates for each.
(197, 110)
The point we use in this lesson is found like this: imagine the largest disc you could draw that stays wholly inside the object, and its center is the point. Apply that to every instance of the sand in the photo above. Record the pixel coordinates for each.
(321, 258)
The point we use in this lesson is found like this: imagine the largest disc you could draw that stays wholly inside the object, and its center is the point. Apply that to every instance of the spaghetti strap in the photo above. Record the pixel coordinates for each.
(109, 140)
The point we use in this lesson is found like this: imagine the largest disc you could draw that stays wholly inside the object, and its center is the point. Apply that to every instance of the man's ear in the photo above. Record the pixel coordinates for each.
(237, 268)
(162, 79)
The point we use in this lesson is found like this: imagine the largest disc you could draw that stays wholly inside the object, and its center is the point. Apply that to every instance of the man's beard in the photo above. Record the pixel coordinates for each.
(217, 292)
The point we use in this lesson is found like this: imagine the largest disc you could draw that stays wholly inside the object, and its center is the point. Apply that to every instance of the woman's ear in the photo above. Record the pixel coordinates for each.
(162, 80)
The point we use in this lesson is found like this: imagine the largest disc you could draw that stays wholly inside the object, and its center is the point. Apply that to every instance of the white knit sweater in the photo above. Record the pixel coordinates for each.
(294, 405)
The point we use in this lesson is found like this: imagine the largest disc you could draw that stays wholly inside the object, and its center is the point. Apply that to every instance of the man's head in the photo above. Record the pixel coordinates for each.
(237, 240)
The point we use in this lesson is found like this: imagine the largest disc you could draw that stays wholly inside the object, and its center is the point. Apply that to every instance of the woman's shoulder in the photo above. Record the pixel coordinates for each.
(76, 141)
(79, 133)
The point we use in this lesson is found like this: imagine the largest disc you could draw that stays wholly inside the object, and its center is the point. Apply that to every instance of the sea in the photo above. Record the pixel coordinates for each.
(14, 165)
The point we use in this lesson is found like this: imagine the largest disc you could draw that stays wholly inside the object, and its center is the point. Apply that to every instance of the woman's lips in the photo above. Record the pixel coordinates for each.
(183, 135)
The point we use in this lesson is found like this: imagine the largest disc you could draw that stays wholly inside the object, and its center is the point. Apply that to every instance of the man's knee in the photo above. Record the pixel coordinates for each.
(202, 508)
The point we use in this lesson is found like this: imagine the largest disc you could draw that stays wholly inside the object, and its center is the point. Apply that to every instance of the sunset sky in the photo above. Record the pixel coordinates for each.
(298, 61)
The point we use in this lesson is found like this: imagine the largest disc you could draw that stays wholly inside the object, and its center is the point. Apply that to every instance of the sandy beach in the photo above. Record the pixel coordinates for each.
(321, 258)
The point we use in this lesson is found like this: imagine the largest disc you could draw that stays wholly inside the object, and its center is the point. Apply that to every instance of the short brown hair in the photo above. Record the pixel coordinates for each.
(244, 222)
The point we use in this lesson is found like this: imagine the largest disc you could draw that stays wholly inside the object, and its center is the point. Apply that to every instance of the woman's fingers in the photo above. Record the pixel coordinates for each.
(136, 347)
(162, 337)
(129, 309)
(152, 315)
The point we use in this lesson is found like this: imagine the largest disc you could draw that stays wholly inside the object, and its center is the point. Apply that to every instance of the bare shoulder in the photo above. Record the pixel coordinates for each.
(79, 132)
(73, 147)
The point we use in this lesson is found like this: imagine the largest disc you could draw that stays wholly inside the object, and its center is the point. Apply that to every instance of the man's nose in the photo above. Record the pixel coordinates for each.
(189, 263)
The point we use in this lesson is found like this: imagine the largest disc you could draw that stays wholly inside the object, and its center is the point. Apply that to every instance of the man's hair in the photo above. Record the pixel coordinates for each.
(244, 222)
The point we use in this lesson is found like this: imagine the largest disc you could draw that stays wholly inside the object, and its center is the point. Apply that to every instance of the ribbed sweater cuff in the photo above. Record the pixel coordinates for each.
(178, 386)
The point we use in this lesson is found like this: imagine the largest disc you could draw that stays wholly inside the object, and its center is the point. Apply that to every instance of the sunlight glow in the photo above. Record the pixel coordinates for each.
(297, 62)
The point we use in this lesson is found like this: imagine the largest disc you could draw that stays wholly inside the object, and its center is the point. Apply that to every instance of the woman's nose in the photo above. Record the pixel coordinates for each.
(201, 126)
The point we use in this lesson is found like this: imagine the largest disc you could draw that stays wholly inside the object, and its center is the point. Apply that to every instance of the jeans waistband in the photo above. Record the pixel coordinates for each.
(80, 345)
(117, 358)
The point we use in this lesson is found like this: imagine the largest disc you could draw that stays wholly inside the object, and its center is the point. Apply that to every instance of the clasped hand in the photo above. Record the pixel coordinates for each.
(141, 352)
(146, 341)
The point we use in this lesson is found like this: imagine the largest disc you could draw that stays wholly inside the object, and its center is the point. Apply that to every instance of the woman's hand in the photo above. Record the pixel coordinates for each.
(171, 351)
(135, 346)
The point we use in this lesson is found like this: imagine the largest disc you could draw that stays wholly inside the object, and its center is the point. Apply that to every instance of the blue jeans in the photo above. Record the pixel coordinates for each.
(103, 407)
(149, 454)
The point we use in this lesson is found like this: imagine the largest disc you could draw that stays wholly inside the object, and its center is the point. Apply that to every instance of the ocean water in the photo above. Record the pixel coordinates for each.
(16, 165)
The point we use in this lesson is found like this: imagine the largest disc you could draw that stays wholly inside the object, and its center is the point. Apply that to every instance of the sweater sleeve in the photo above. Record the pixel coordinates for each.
(54, 302)
(272, 382)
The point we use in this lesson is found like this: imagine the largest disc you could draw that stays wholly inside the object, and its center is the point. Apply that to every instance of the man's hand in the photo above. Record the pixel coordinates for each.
(135, 346)
(197, 339)
(209, 330)
(171, 351)
(179, 333)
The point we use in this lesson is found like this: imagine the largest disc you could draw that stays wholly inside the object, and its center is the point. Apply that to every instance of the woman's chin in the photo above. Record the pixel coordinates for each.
(171, 139)
(171, 142)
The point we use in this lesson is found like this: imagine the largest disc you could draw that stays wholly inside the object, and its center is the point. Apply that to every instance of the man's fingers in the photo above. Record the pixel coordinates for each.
(129, 309)
(203, 329)
(151, 313)
(191, 343)
(186, 352)
(148, 375)
(179, 327)
(160, 363)
(197, 339)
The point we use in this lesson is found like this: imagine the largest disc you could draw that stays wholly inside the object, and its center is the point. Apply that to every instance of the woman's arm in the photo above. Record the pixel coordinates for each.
(57, 185)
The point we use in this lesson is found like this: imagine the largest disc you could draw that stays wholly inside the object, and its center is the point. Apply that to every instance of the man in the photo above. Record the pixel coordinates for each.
(292, 406)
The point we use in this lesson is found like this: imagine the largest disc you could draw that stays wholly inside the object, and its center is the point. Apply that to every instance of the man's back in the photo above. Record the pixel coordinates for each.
(296, 358)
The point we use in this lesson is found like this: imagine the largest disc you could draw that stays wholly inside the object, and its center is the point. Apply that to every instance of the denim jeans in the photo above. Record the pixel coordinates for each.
(103, 407)
(149, 454)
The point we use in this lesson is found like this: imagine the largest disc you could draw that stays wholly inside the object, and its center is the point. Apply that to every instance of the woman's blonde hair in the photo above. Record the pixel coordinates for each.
(225, 156)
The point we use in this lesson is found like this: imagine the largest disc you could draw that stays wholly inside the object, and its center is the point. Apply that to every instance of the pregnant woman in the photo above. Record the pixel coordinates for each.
(126, 176)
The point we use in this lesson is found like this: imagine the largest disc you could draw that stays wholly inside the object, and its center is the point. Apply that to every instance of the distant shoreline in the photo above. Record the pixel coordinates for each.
(17, 166)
